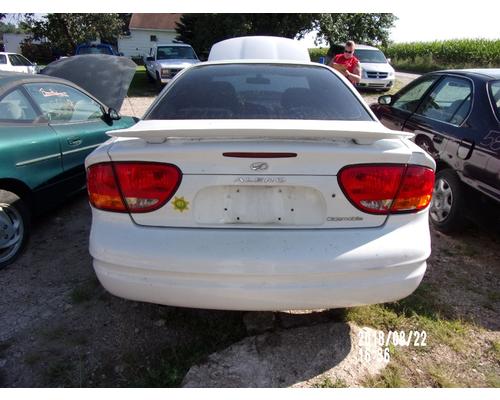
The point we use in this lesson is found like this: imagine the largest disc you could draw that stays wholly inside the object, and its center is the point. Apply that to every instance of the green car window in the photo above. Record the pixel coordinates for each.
(16, 107)
(63, 103)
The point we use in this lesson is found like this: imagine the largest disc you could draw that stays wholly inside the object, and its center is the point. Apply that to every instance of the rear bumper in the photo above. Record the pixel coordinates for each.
(260, 269)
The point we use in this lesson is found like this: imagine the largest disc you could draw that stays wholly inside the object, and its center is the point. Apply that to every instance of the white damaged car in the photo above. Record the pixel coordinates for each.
(260, 181)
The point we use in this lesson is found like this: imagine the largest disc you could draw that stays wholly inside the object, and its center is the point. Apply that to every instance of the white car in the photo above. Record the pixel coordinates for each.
(260, 181)
(166, 60)
(376, 72)
(16, 63)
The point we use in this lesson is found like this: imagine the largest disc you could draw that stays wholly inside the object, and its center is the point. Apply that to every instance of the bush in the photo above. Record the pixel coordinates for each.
(40, 53)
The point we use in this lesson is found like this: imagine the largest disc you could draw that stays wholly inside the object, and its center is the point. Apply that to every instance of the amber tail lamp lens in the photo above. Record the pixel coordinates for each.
(135, 187)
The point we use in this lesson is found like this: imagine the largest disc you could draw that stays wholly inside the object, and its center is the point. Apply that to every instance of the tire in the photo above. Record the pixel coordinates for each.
(14, 227)
(447, 206)
(150, 78)
(159, 85)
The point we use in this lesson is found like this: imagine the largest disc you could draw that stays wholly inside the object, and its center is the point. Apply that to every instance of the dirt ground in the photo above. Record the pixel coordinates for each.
(59, 327)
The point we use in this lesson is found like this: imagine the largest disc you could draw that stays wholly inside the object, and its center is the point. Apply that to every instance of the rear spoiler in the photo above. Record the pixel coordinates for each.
(360, 132)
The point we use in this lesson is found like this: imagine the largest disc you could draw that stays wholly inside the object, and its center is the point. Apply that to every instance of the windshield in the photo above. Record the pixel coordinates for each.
(175, 53)
(370, 56)
(495, 97)
(95, 50)
(259, 91)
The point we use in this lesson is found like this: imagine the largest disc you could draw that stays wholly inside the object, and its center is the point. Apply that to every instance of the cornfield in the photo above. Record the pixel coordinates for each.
(428, 56)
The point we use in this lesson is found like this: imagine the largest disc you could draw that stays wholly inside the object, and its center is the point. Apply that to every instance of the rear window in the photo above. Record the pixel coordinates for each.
(18, 60)
(495, 97)
(259, 91)
(95, 50)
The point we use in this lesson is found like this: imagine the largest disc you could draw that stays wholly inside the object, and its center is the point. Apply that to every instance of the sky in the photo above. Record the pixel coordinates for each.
(423, 24)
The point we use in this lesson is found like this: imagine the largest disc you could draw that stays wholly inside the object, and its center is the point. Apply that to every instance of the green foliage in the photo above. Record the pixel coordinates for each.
(316, 53)
(9, 28)
(65, 31)
(366, 28)
(40, 53)
(459, 53)
(203, 30)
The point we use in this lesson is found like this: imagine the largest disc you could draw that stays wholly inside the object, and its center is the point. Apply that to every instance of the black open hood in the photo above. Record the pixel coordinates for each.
(105, 77)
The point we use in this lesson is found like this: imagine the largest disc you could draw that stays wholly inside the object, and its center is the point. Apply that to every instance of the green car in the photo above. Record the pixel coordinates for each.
(48, 126)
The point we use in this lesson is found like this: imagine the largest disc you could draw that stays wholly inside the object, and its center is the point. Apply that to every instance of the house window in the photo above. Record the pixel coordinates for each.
(153, 38)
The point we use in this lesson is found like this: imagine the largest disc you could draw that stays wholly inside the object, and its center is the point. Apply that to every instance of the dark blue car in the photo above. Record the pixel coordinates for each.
(455, 116)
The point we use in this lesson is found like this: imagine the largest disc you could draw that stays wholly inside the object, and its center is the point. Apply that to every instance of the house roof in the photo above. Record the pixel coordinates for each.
(154, 21)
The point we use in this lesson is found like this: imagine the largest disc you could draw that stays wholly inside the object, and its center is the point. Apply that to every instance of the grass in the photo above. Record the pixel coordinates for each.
(208, 333)
(328, 383)
(141, 86)
(84, 292)
(391, 377)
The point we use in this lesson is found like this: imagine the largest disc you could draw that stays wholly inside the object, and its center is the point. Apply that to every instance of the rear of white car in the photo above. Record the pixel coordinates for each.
(16, 63)
(260, 192)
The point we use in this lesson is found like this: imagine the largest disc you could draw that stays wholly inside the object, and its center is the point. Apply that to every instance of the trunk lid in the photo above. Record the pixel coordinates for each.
(261, 189)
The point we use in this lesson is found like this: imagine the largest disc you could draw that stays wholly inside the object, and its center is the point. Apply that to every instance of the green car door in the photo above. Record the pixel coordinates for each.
(77, 119)
(29, 149)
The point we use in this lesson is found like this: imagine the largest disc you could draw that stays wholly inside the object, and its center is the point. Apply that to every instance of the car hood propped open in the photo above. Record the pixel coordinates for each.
(105, 77)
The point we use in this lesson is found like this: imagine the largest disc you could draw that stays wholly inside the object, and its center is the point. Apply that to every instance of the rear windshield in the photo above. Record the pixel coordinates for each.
(495, 97)
(95, 50)
(259, 91)
(370, 56)
(19, 61)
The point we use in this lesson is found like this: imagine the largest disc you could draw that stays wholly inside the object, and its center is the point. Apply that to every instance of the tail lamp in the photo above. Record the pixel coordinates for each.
(135, 187)
(387, 188)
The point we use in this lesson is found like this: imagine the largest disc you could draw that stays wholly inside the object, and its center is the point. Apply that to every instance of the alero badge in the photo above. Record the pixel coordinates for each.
(180, 204)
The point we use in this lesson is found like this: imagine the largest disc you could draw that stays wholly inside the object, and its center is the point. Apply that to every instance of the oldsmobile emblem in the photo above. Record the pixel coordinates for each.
(259, 166)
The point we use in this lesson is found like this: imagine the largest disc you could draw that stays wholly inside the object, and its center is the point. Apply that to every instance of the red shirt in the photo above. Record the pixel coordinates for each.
(350, 63)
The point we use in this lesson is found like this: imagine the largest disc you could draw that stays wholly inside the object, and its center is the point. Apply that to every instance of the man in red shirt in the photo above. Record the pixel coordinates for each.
(350, 63)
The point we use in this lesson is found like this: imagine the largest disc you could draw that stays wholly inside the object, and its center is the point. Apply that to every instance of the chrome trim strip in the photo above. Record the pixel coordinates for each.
(35, 160)
(80, 149)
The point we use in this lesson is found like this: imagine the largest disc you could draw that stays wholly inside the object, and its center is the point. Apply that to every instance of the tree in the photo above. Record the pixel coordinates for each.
(65, 31)
(203, 30)
(366, 28)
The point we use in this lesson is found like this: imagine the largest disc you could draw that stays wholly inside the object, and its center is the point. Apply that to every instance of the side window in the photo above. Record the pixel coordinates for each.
(16, 107)
(410, 98)
(450, 101)
(3, 59)
(63, 103)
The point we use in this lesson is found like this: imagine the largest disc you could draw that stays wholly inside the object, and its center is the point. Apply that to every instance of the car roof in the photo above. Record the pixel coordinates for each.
(259, 48)
(365, 47)
(173, 44)
(483, 73)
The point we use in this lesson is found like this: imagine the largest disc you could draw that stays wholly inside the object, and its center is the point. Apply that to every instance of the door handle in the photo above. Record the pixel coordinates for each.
(74, 141)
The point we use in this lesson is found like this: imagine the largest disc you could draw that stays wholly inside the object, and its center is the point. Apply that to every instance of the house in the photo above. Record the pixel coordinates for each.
(146, 30)
(12, 41)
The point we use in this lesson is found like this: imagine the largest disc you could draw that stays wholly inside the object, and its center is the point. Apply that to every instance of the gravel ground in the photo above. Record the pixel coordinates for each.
(59, 327)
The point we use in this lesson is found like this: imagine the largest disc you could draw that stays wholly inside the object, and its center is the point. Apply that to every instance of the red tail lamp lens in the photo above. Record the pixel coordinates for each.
(136, 187)
(384, 189)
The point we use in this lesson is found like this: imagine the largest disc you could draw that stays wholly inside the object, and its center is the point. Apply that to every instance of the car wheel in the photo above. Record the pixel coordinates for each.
(158, 81)
(447, 205)
(14, 227)
(425, 143)
(150, 78)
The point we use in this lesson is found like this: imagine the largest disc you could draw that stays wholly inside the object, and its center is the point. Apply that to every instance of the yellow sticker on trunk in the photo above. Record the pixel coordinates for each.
(180, 204)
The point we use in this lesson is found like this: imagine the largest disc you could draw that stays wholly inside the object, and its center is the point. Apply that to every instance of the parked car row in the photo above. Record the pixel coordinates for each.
(256, 181)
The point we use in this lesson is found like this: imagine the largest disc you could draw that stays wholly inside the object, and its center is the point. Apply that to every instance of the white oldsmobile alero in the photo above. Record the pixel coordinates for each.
(260, 181)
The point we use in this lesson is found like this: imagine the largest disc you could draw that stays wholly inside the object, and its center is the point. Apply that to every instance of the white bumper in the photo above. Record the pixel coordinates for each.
(377, 83)
(260, 269)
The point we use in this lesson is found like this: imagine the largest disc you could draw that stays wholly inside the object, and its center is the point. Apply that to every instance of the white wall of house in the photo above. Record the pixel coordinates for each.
(12, 41)
(139, 42)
